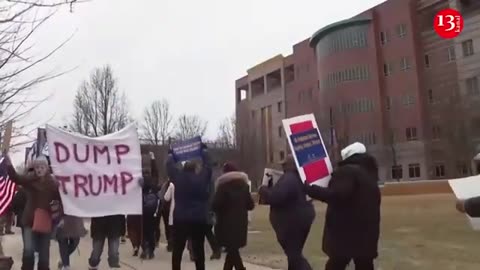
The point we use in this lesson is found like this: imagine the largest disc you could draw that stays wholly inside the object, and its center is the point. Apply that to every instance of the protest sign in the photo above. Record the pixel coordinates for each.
(466, 188)
(271, 174)
(308, 149)
(188, 149)
(97, 176)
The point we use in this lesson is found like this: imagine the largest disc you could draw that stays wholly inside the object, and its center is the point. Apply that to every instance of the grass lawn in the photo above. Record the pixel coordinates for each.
(418, 232)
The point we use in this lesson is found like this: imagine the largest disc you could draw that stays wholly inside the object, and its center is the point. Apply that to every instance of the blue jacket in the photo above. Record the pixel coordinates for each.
(192, 192)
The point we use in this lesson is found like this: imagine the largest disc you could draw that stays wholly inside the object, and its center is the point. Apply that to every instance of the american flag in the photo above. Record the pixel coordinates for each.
(7, 187)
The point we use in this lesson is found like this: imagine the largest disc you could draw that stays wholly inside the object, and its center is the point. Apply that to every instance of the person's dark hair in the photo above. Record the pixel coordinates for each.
(189, 166)
(229, 167)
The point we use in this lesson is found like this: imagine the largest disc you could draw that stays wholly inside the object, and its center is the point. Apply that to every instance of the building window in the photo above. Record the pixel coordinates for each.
(387, 69)
(397, 172)
(388, 103)
(440, 170)
(280, 131)
(430, 96)
(279, 106)
(414, 170)
(472, 86)
(401, 30)
(411, 134)
(281, 155)
(408, 100)
(467, 47)
(462, 169)
(436, 132)
(427, 61)
(384, 37)
(451, 54)
(404, 64)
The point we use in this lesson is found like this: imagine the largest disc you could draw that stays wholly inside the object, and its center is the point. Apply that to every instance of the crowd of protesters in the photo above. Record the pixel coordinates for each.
(193, 206)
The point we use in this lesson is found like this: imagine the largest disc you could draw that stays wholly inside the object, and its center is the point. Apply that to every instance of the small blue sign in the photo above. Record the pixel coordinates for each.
(308, 146)
(188, 149)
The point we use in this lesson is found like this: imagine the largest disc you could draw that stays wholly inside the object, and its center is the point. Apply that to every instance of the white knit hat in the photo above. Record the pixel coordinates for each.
(352, 149)
(40, 161)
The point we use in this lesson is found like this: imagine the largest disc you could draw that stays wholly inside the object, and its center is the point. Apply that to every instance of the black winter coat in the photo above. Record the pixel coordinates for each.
(231, 204)
(352, 222)
(472, 207)
(290, 210)
(107, 227)
(18, 204)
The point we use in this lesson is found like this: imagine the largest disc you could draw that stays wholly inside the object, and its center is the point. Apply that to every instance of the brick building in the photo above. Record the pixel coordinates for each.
(382, 77)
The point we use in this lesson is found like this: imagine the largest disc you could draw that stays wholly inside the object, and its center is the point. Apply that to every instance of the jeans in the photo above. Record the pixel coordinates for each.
(67, 246)
(97, 250)
(32, 242)
(342, 263)
(195, 232)
(232, 260)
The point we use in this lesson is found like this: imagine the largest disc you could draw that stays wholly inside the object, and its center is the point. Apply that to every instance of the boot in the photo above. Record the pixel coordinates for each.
(217, 255)
(135, 252)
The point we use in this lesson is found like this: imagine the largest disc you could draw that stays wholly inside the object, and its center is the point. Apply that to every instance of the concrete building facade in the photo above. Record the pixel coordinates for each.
(385, 78)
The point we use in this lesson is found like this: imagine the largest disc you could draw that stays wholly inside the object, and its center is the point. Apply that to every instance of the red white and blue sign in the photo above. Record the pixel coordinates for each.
(308, 149)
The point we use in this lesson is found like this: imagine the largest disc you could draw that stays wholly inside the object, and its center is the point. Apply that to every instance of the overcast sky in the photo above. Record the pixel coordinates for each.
(188, 52)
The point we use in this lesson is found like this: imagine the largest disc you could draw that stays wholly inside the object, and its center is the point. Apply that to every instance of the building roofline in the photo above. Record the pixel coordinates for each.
(317, 36)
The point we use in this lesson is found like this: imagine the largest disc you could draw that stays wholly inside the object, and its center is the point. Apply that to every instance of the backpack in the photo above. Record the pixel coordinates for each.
(150, 203)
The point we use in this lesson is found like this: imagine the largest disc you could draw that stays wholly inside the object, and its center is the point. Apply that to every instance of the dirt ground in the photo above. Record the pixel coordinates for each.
(418, 232)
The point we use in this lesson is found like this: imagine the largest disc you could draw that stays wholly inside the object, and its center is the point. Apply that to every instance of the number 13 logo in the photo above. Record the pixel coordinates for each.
(448, 23)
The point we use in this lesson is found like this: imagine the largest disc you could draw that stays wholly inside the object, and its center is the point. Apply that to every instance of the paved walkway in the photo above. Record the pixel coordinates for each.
(12, 245)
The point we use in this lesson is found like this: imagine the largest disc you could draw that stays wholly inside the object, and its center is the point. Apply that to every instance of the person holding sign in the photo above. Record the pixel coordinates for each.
(470, 207)
(36, 218)
(191, 206)
(352, 222)
(291, 214)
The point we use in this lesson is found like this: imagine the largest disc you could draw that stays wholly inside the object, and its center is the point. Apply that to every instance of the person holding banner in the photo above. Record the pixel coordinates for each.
(231, 204)
(101, 229)
(151, 206)
(352, 222)
(36, 219)
(291, 214)
(191, 206)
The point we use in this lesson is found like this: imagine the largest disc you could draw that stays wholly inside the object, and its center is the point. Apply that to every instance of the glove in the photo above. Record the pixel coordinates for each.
(60, 224)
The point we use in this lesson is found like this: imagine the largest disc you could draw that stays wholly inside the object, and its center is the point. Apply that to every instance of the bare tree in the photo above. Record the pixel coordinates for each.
(189, 126)
(19, 21)
(158, 122)
(226, 137)
(99, 107)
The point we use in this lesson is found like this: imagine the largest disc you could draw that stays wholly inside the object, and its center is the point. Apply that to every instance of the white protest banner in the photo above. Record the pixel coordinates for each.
(308, 149)
(97, 176)
(466, 188)
(271, 174)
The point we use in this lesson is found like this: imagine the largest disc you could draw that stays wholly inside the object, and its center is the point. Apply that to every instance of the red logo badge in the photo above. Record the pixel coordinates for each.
(448, 23)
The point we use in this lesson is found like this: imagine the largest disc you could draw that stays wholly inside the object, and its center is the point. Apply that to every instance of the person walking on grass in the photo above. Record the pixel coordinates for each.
(470, 207)
(231, 204)
(291, 214)
(352, 220)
